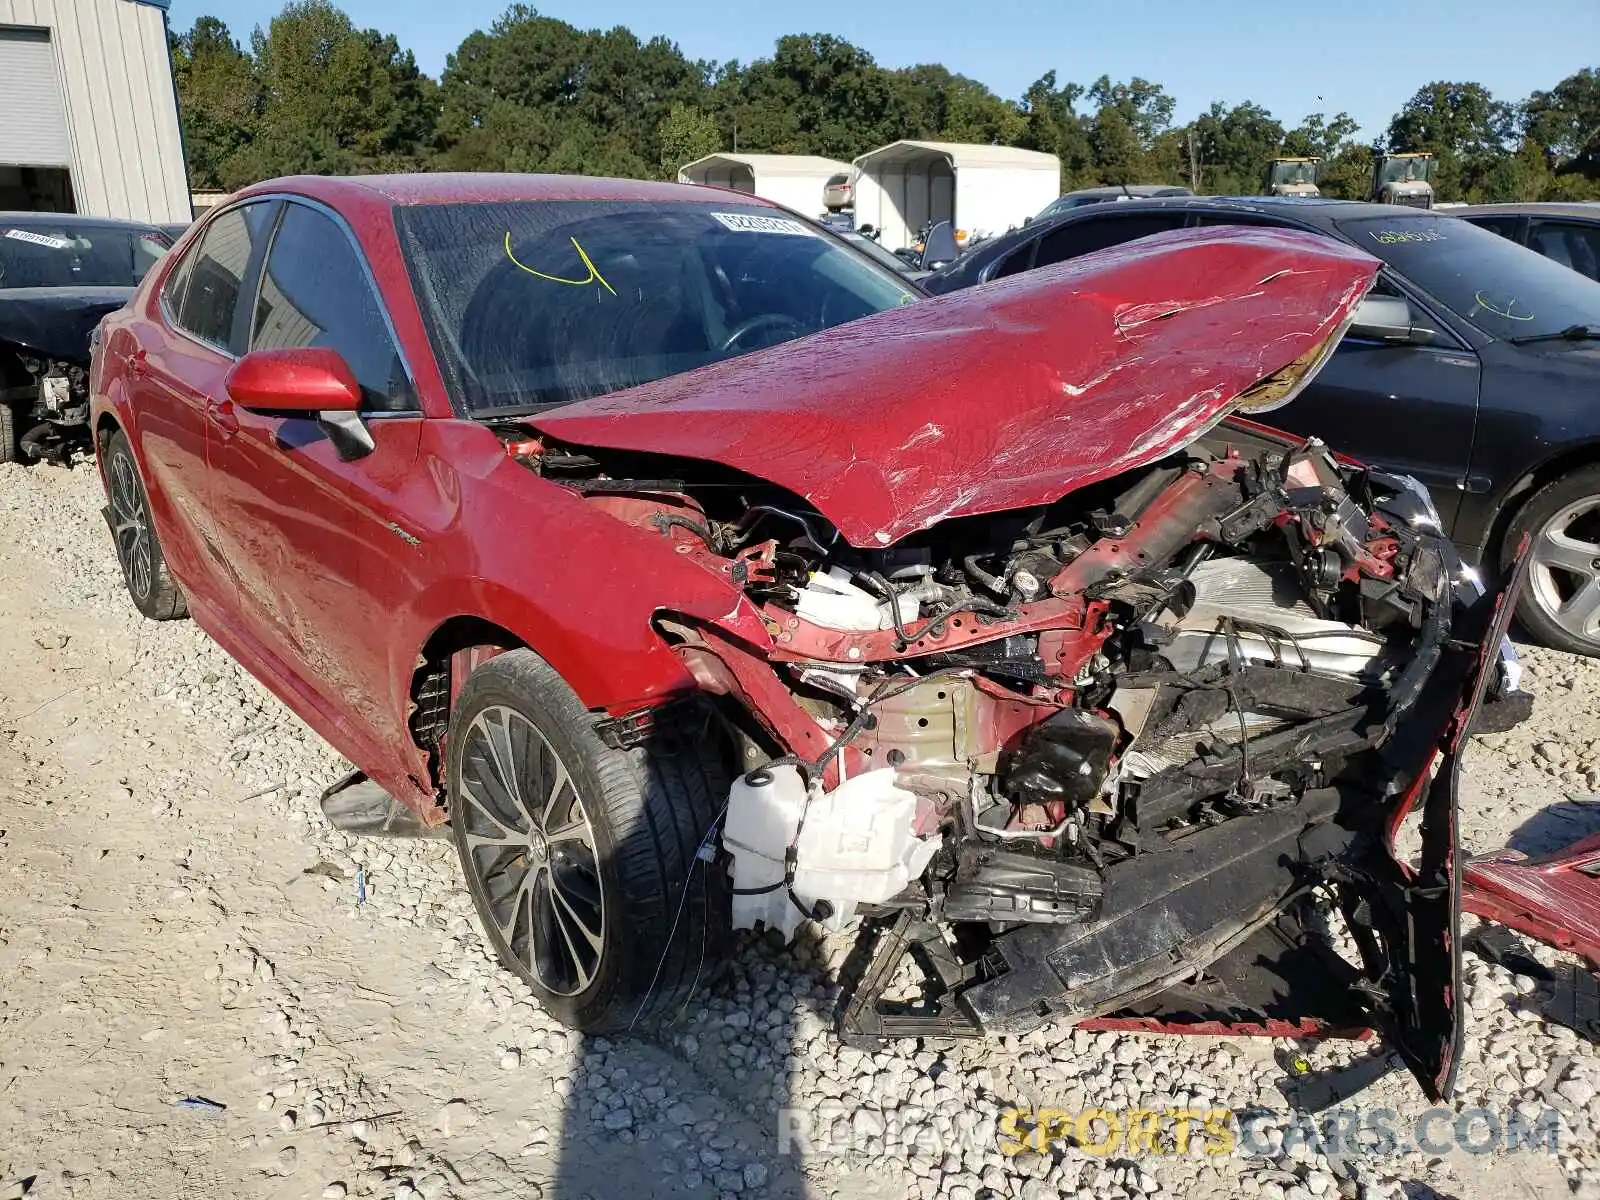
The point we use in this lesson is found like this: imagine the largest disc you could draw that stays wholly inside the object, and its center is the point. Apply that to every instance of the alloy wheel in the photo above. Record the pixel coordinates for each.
(531, 851)
(131, 525)
(1564, 574)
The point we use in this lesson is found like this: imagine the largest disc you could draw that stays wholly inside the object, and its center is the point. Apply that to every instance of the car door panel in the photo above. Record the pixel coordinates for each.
(307, 530)
(1408, 409)
(310, 539)
(176, 361)
(1411, 409)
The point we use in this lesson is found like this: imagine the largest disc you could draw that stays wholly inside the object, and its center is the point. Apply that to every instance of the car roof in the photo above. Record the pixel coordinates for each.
(1317, 209)
(462, 187)
(1133, 189)
(73, 220)
(1588, 210)
(1313, 210)
(1318, 212)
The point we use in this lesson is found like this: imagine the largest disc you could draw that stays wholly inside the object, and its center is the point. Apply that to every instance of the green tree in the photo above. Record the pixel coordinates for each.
(1463, 125)
(537, 94)
(1318, 137)
(1051, 123)
(686, 134)
(1128, 134)
(218, 100)
(817, 94)
(1347, 175)
(314, 93)
(1234, 146)
(930, 101)
(335, 99)
(1566, 120)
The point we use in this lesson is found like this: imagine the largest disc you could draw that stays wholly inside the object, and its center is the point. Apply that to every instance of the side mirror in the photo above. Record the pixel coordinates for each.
(1027, 220)
(1389, 319)
(312, 381)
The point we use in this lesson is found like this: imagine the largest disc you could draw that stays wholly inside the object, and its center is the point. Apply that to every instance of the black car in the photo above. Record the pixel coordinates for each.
(1567, 233)
(1474, 366)
(1102, 195)
(59, 274)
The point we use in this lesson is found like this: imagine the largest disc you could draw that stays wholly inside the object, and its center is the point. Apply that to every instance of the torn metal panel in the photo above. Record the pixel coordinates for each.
(1555, 898)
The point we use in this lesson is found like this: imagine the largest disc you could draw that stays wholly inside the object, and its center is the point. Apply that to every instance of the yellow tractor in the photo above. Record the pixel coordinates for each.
(1294, 177)
(1403, 179)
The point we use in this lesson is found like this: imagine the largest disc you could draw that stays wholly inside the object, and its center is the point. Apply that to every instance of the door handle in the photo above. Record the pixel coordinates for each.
(139, 364)
(224, 417)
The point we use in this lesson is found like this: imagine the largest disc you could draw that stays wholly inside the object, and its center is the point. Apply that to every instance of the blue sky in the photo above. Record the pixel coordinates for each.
(1363, 56)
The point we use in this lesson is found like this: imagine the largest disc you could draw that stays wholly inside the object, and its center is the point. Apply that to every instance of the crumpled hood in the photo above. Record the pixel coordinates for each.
(56, 322)
(1006, 395)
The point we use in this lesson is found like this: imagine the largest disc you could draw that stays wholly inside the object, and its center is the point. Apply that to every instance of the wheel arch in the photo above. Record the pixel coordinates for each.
(457, 643)
(1528, 485)
(437, 678)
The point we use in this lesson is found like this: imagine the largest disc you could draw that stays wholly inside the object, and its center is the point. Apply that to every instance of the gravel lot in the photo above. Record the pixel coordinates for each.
(178, 923)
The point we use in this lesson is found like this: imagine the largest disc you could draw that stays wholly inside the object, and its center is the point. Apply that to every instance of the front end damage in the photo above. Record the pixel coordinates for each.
(1120, 754)
(1091, 705)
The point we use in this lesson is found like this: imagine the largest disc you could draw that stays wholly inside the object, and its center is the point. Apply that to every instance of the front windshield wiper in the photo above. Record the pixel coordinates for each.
(1572, 333)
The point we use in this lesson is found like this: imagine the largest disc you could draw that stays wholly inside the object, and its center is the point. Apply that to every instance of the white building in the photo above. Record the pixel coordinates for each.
(981, 190)
(88, 111)
(793, 180)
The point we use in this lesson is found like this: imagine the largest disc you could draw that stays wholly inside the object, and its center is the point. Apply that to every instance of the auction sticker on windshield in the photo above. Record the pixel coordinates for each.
(38, 239)
(1394, 237)
(749, 223)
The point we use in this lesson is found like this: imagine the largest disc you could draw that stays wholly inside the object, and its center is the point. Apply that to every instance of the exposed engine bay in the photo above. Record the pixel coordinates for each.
(1121, 754)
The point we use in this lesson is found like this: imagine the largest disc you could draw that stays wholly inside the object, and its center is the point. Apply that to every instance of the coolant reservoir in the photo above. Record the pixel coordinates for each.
(857, 846)
(763, 812)
(829, 599)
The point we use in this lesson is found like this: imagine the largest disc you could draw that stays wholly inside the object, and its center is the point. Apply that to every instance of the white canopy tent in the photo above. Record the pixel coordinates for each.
(793, 180)
(978, 189)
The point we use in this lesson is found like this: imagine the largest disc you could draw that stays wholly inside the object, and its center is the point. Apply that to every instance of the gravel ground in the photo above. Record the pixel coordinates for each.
(196, 1001)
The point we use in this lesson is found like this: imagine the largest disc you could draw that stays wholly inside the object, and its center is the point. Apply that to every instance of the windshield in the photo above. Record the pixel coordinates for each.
(534, 304)
(1503, 289)
(1294, 172)
(54, 254)
(1405, 170)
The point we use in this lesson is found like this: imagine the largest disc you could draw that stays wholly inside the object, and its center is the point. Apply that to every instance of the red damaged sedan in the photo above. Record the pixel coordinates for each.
(656, 543)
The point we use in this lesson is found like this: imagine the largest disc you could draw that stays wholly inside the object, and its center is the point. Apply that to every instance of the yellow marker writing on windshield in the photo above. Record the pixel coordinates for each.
(594, 275)
(1506, 312)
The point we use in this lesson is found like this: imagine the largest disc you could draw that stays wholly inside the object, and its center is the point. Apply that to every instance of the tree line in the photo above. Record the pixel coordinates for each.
(311, 93)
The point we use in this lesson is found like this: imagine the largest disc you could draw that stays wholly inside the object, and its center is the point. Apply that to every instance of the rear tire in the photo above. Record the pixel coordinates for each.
(585, 874)
(1560, 603)
(144, 568)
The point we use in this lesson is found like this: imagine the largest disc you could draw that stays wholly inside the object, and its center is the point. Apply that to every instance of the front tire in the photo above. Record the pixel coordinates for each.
(144, 568)
(10, 447)
(1560, 603)
(581, 859)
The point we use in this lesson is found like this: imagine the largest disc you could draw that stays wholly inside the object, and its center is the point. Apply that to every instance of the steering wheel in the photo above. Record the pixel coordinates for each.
(761, 321)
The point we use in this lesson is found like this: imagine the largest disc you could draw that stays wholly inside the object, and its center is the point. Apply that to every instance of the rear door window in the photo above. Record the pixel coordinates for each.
(208, 288)
(315, 292)
(1101, 233)
(1570, 243)
(1506, 227)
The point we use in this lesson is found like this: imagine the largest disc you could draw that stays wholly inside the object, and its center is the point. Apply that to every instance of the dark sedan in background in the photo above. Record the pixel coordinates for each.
(1474, 366)
(59, 274)
(1565, 233)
